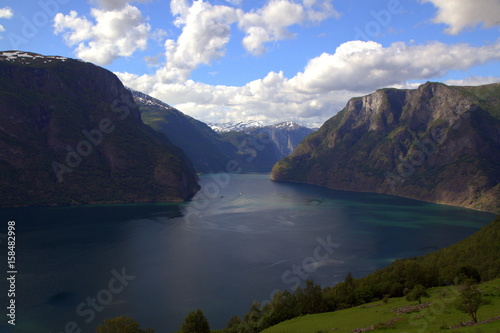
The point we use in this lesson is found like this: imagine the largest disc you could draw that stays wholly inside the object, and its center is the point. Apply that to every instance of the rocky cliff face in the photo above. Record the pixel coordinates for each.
(436, 143)
(71, 133)
(285, 136)
(259, 148)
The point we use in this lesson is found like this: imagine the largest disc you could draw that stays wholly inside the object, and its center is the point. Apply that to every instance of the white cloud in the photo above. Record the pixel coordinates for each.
(180, 9)
(462, 14)
(325, 85)
(270, 23)
(206, 30)
(473, 81)
(115, 33)
(118, 29)
(6, 13)
(365, 66)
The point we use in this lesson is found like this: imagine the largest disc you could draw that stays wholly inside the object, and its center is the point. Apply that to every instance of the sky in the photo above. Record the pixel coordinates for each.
(273, 60)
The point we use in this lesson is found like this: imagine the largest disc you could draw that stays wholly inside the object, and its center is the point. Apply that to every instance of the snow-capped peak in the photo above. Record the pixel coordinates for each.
(27, 57)
(241, 126)
(236, 126)
(287, 125)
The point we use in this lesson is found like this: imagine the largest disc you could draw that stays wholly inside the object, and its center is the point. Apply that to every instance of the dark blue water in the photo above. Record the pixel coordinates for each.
(240, 238)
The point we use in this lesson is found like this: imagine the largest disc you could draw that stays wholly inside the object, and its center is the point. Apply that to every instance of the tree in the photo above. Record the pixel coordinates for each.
(252, 319)
(233, 325)
(121, 324)
(195, 322)
(468, 272)
(470, 299)
(310, 299)
(417, 294)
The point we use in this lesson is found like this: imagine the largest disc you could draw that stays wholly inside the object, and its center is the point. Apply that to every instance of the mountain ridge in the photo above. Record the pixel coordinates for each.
(206, 149)
(253, 148)
(72, 134)
(410, 143)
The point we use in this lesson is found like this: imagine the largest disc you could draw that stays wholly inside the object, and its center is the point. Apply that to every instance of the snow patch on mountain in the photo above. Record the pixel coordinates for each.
(27, 58)
(237, 126)
(242, 126)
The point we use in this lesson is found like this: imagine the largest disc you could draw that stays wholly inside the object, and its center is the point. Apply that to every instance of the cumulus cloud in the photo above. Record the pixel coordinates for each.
(462, 14)
(206, 29)
(270, 23)
(5, 13)
(119, 30)
(324, 86)
(364, 66)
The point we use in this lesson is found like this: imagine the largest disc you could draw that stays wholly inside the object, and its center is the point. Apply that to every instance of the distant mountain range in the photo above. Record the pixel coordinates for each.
(436, 143)
(253, 145)
(277, 141)
(236, 126)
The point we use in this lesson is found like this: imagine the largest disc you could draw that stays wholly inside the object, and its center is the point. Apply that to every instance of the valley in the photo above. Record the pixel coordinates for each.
(106, 183)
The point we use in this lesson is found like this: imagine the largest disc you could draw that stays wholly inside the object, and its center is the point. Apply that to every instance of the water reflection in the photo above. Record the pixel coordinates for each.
(216, 253)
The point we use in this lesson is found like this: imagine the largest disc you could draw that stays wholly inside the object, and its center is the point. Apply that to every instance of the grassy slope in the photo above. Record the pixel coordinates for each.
(438, 317)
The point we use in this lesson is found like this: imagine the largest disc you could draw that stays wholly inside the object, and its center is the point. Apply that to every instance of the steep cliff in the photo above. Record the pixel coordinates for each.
(208, 151)
(284, 136)
(71, 133)
(437, 143)
(259, 148)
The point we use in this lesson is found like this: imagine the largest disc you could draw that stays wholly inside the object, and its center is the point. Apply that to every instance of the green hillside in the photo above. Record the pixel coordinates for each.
(439, 316)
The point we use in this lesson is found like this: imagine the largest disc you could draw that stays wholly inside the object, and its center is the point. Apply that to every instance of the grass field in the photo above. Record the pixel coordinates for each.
(437, 317)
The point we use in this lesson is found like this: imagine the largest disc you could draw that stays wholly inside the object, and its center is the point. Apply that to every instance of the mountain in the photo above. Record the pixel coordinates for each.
(71, 133)
(236, 126)
(208, 151)
(286, 136)
(436, 143)
(264, 146)
(213, 147)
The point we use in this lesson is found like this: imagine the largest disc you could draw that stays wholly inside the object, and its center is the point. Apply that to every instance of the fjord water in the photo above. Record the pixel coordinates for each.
(240, 238)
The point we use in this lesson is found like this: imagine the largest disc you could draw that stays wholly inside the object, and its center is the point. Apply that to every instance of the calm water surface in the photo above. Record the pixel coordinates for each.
(240, 238)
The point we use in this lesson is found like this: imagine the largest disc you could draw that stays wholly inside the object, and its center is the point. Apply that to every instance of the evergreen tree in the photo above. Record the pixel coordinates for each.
(195, 322)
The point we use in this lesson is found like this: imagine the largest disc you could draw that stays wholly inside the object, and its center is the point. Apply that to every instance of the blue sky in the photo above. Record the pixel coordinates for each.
(274, 60)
